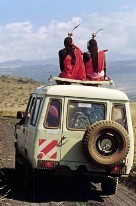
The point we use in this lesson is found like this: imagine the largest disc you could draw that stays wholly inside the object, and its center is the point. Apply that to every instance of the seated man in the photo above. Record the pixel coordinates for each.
(71, 63)
(95, 62)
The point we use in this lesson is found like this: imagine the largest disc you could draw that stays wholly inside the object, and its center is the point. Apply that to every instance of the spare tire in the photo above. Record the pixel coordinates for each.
(106, 142)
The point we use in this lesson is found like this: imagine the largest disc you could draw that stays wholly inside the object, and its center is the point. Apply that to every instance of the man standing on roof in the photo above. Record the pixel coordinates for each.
(71, 62)
(94, 60)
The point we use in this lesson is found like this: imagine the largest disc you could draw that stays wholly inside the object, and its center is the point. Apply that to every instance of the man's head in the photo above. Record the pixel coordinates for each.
(68, 41)
(92, 45)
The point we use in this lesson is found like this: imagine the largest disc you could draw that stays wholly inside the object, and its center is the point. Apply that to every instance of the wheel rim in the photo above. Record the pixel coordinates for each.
(107, 143)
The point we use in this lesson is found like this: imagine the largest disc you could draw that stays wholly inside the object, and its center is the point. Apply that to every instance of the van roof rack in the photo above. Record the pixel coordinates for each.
(66, 81)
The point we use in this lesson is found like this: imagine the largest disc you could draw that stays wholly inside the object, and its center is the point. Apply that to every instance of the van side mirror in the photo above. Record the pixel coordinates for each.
(19, 115)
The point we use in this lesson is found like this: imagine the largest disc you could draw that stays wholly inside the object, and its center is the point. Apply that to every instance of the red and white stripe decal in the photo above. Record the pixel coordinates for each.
(47, 148)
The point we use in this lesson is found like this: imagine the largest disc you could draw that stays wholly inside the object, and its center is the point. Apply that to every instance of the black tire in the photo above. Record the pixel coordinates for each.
(30, 182)
(109, 185)
(106, 142)
(28, 177)
(19, 167)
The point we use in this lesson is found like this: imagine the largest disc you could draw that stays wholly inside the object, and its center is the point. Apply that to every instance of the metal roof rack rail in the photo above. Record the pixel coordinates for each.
(67, 81)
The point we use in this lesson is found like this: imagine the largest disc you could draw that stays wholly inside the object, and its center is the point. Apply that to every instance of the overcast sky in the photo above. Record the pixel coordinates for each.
(35, 29)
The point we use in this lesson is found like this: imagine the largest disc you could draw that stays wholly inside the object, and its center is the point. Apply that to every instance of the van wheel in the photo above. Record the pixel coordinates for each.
(19, 168)
(28, 176)
(109, 185)
(17, 165)
(106, 142)
(30, 182)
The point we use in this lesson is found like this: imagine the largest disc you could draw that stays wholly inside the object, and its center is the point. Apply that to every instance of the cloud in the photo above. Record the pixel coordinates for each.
(20, 40)
(119, 33)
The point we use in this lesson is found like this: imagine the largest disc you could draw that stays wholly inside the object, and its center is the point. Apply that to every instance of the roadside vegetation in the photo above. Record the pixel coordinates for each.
(15, 94)
(133, 112)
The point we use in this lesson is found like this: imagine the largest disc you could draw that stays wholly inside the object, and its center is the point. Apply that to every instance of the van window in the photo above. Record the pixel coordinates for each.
(52, 118)
(32, 103)
(35, 111)
(119, 114)
(82, 114)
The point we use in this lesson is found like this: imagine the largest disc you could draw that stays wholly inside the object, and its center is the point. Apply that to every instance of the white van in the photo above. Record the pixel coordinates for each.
(77, 130)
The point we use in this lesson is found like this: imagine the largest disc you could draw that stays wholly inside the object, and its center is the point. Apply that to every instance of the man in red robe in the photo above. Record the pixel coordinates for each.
(95, 62)
(71, 63)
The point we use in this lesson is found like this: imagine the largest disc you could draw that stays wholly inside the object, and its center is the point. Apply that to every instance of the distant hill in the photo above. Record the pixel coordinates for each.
(116, 56)
(123, 73)
(21, 63)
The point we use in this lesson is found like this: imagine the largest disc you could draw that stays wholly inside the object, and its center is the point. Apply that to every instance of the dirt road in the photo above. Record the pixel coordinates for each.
(68, 192)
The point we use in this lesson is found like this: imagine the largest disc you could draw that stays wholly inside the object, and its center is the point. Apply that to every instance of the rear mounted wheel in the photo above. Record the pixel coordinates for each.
(106, 143)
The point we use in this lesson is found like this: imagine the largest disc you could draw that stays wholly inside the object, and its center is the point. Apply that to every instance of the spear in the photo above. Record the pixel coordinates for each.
(70, 33)
(94, 34)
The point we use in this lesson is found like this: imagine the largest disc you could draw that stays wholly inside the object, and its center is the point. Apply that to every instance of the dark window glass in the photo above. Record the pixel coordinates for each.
(31, 105)
(35, 111)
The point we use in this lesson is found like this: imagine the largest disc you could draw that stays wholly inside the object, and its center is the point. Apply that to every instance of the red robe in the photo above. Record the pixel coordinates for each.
(76, 71)
(101, 65)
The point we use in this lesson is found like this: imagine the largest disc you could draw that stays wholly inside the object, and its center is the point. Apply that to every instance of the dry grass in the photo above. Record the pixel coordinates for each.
(14, 94)
(133, 112)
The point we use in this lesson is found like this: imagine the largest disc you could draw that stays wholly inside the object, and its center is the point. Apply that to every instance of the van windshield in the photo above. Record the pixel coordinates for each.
(82, 114)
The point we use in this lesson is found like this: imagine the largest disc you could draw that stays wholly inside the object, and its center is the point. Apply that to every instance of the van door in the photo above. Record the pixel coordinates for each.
(79, 114)
(49, 137)
(30, 129)
(23, 125)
